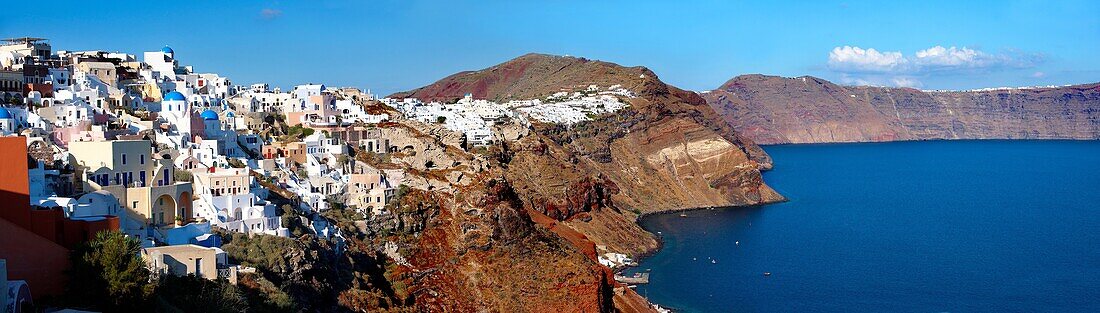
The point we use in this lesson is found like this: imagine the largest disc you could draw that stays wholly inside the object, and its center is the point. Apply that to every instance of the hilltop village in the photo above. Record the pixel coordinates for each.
(194, 167)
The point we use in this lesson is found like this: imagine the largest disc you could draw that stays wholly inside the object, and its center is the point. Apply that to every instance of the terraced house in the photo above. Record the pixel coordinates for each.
(143, 182)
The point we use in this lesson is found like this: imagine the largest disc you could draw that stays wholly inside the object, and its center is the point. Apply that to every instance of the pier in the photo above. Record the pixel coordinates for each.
(637, 278)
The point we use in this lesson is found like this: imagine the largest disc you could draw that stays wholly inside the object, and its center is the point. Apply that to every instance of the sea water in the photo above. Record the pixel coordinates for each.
(935, 226)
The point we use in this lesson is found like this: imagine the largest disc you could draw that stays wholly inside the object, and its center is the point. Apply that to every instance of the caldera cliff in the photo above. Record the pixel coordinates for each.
(668, 150)
(517, 225)
(778, 110)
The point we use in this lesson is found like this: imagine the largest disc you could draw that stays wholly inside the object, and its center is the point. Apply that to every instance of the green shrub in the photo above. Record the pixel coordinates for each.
(191, 293)
(108, 274)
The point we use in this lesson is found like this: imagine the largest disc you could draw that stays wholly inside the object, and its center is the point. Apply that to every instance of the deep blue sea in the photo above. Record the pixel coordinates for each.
(938, 226)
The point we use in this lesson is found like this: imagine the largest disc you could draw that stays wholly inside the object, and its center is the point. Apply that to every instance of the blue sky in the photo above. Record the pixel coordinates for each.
(390, 46)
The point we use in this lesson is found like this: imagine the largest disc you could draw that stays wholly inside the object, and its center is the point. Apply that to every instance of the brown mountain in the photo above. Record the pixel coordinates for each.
(529, 76)
(668, 151)
(776, 110)
(588, 183)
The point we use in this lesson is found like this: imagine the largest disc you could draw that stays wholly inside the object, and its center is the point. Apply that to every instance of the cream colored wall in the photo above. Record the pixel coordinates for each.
(227, 182)
(180, 259)
(105, 71)
(105, 157)
(148, 207)
(364, 195)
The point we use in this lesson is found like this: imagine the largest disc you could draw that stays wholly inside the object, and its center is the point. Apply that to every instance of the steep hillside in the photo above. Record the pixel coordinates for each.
(669, 150)
(583, 184)
(775, 110)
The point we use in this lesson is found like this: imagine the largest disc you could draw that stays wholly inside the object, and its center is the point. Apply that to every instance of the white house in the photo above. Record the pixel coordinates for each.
(227, 199)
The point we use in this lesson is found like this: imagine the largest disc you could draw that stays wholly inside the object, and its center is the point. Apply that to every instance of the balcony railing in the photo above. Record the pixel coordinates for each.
(226, 272)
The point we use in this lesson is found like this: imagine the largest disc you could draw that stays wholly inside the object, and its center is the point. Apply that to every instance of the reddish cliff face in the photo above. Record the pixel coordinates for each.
(668, 151)
(486, 253)
(577, 189)
(775, 110)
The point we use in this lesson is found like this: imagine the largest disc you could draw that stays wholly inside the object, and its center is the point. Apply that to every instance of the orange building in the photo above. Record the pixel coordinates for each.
(36, 242)
(293, 151)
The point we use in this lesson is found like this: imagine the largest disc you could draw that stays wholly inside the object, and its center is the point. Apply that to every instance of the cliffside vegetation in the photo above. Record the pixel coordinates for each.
(109, 275)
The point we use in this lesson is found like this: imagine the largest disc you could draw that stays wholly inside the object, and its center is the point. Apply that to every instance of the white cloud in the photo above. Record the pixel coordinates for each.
(940, 56)
(1038, 75)
(856, 59)
(906, 82)
(872, 67)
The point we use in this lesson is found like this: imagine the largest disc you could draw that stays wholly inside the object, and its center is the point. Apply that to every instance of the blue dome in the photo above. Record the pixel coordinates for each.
(167, 49)
(175, 96)
(209, 115)
(4, 113)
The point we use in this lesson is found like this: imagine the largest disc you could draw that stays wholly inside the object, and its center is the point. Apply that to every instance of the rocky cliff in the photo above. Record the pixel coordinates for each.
(516, 226)
(777, 110)
(669, 150)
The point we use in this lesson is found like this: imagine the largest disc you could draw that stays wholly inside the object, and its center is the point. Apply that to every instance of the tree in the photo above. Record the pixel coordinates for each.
(441, 119)
(191, 293)
(108, 274)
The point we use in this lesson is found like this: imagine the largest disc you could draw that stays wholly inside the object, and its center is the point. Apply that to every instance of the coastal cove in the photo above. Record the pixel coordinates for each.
(928, 226)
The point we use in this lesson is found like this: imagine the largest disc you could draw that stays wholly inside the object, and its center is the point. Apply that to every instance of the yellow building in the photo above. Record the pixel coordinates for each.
(179, 260)
(369, 190)
(218, 182)
(142, 181)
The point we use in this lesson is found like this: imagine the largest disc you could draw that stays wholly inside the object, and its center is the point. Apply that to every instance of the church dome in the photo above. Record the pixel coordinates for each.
(209, 115)
(5, 114)
(167, 50)
(174, 96)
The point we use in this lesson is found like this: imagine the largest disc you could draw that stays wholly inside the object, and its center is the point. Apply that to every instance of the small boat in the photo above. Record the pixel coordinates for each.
(694, 259)
(683, 215)
(766, 274)
(737, 243)
(713, 261)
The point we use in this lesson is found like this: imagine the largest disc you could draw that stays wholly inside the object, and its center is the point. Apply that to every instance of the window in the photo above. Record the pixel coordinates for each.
(123, 159)
(142, 157)
(198, 266)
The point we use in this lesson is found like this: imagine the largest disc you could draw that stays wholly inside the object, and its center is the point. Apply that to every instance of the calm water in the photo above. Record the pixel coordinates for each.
(964, 226)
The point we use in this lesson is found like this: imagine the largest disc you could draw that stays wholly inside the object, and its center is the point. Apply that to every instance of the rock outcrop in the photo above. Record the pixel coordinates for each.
(669, 150)
(777, 110)
(583, 185)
